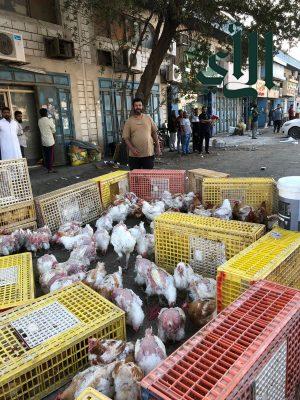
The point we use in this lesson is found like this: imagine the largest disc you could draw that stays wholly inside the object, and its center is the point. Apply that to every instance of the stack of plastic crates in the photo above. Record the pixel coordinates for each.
(112, 184)
(150, 184)
(250, 351)
(80, 202)
(43, 344)
(16, 200)
(92, 394)
(275, 257)
(197, 175)
(204, 243)
(248, 191)
(16, 280)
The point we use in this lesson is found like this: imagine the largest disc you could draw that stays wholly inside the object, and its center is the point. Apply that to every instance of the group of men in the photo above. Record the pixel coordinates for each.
(181, 128)
(13, 137)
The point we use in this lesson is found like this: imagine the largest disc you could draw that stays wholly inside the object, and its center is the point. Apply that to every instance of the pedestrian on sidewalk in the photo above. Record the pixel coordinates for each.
(21, 132)
(47, 129)
(9, 143)
(254, 115)
(180, 132)
(291, 112)
(172, 130)
(187, 133)
(277, 118)
(204, 129)
(140, 135)
(270, 115)
(195, 129)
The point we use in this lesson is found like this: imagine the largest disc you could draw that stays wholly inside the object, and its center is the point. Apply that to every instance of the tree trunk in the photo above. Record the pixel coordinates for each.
(156, 58)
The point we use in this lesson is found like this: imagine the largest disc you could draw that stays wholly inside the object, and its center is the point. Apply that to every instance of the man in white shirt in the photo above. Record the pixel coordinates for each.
(9, 143)
(21, 132)
(47, 129)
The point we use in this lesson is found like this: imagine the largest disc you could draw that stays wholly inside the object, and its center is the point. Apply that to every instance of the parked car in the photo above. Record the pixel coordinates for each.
(292, 128)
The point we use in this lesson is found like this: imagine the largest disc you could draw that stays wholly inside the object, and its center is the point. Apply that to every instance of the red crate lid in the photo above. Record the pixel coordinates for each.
(212, 363)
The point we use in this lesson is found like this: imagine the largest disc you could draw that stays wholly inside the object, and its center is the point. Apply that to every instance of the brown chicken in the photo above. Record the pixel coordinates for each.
(127, 377)
(200, 311)
(109, 350)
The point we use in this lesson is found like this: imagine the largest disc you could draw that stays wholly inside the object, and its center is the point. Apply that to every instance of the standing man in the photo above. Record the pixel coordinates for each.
(140, 135)
(254, 115)
(270, 115)
(47, 129)
(9, 143)
(195, 129)
(21, 132)
(277, 118)
(180, 131)
(204, 128)
(291, 112)
(187, 133)
(172, 130)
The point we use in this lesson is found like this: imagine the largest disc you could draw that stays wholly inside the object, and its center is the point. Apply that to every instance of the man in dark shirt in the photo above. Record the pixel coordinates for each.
(204, 128)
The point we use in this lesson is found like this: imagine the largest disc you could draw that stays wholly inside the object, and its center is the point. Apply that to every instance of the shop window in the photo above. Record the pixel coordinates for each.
(45, 10)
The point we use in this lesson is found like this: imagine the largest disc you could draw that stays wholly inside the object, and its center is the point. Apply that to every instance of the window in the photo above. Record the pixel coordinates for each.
(134, 30)
(45, 10)
(104, 58)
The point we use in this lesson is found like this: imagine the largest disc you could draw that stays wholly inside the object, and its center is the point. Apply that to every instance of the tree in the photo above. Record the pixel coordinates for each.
(202, 19)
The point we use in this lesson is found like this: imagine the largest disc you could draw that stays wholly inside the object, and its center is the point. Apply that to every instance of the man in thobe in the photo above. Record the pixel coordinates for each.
(9, 142)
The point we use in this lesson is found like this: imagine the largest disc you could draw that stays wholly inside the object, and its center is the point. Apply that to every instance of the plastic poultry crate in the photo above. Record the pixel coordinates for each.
(275, 257)
(150, 184)
(16, 280)
(112, 184)
(80, 202)
(196, 177)
(43, 344)
(29, 225)
(92, 394)
(14, 215)
(250, 351)
(191, 239)
(248, 191)
(15, 186)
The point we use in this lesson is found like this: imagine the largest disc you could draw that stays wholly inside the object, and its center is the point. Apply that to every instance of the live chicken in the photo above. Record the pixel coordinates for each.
(149, 351)
(106, 351)
(95, 276)
(109, 283)
(67, 229)
(142, 266)
(160, 283)
(201, 288)
(224, 212)
(183, 274)
(131, 303)
(127, 377)
(102, 240)
(171, 324)
(105, 222)
(46, 263)
(200, 311)
(153, 210)
(119, 213)
(123, 242)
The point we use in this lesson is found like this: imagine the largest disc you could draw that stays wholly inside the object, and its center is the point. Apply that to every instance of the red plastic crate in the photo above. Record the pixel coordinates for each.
(150, 184)
(251, 350)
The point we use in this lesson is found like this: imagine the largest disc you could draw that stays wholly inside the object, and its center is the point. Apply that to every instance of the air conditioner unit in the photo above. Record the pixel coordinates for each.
(174, 74)
(56, 47)
(134, 61)
(172, 49)
(11, 47)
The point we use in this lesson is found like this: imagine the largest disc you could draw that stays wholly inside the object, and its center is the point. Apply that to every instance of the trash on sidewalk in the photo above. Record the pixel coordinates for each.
(218, 143)
(289, 140)
(81, 152)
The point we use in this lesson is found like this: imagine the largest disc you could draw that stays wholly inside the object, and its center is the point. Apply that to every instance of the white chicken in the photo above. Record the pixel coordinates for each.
(153, 210)
(127, 377)
(105, 222)
(131, 303)
(149, 351)
(119, 213)
(201, 288)
(145, 245)
(171, 324)
(67, 229)
(161, 283)
(202, 212)
(46, 263)
(20, 236)
(123, 242)
(105, 351)
(38, 240)
(95, 276)
(109, 283)
(98, 377)
(225, 211)
(71, 242)
(188, 200)
(142, 266)
(85, 251)
(138, 231)
(7, 244)
(102, 240)
(67, 281)
(183, 274)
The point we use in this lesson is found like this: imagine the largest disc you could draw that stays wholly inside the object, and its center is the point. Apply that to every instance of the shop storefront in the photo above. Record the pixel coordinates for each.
(27, 92)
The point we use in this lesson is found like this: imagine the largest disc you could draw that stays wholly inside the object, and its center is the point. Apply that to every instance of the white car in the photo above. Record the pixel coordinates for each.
(292, 128)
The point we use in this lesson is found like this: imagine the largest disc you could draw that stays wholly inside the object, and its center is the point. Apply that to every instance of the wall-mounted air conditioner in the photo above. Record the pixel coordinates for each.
(174, 74)
(134, 61)
(11, 47)
(172, 49)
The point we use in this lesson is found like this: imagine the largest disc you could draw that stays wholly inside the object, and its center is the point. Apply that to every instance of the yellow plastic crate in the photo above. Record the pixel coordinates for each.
(112, 184)
(92, 394)
(16, 280)
(197, 175)
(44, 343)
(14, 215)
(178, 237)
(249, 191)
(29, 225)
(275, 257)
(79, 202)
